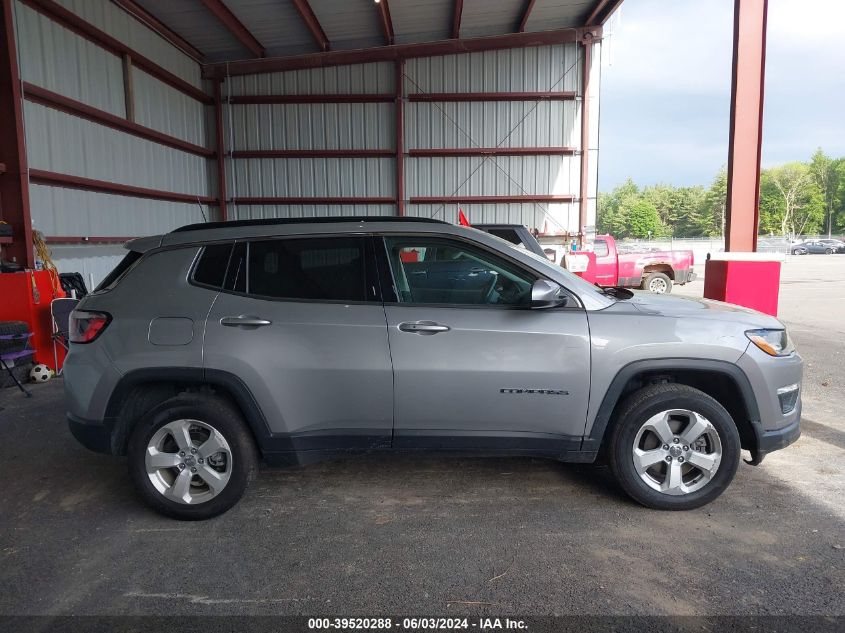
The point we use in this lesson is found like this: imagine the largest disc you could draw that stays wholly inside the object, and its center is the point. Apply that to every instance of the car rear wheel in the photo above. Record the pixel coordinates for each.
(658, 283)
(192, 457)
(674, 447)
(829, 251)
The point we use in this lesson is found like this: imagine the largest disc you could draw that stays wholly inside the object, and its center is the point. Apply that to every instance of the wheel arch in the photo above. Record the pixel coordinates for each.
(664, 268)
(722, 380)
(139, 391)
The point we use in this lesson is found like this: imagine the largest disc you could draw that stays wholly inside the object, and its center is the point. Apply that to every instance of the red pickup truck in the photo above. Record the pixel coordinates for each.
(653, 270)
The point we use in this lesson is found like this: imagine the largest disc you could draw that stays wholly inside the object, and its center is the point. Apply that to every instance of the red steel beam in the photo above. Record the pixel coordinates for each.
(73, 22)
(491, 151)
(234, 26)
(365, 97)
(221, 150)
(313, 153)
(43, 177)
(37, 94)
(398, 51)
(148, 19)
(14, 189)
(313, 24)
(746, 125)
(583, 206)
(489, 199)
(386, 22)
(456, 19)
(491, 96)
(62, 239)
(525, 14)
(316, 200)
(602, 12)
(399, 113)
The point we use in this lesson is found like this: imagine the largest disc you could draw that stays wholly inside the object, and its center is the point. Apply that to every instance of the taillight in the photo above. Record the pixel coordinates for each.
(87, 326)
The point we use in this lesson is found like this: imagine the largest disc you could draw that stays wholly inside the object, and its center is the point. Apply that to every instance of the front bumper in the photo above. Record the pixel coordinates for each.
(768, 441)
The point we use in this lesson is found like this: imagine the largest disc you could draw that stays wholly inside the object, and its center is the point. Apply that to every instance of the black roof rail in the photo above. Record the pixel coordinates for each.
(202, 226)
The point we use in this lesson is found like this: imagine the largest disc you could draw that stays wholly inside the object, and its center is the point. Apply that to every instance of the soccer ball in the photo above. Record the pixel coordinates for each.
(40, 373)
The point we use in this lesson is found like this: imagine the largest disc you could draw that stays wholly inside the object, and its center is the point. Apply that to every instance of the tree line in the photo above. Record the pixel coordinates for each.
(798, 198)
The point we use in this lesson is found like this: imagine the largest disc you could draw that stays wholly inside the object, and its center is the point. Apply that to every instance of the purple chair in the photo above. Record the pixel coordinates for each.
(13, 354)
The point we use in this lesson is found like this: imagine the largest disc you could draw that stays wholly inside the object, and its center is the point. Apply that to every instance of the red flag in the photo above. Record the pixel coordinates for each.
(462, 219)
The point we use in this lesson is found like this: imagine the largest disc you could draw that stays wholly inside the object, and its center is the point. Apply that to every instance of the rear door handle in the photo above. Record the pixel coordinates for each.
(244, 321)
(423, 327)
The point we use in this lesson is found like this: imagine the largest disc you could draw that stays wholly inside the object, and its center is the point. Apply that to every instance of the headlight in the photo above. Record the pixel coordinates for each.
(773, 342)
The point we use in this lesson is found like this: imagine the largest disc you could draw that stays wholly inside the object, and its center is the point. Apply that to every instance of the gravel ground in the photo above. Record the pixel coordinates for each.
(435, 535)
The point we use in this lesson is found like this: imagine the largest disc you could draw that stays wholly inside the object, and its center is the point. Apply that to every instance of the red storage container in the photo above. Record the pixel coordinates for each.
(747, 279)
(26, 296)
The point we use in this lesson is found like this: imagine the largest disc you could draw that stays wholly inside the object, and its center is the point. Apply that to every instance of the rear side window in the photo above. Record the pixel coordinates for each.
(211, 267)
(121, 269)
(600, 248)
(327, 269)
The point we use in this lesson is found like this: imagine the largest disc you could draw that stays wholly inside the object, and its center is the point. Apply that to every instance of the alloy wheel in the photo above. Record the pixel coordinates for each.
(188, 461)
(677, 452)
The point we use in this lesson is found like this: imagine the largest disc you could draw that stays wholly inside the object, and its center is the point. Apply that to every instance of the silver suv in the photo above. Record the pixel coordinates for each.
(219, 345)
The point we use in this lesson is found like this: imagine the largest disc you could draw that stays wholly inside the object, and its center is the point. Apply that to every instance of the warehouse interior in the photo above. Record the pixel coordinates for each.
(133, 117)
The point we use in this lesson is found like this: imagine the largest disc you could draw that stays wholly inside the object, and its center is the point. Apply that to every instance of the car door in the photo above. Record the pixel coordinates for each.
(474, 366)
(301, 325)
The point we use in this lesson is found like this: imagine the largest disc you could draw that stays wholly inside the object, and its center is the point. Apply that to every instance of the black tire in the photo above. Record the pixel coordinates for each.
(224, 418)
(661, 276)
(829, 251)
(645, 403)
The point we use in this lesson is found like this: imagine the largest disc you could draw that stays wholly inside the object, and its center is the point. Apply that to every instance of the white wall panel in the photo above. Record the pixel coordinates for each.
(168, 110)
(249, 212)
(111, 19)
(311, 126)
(63, 143)
(93, 262)
(301, 177)
(369, 78)
(55, 58)
(71, 212)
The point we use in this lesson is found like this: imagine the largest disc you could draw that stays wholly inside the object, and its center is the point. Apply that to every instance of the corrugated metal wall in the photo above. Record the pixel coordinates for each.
(62, 61)
(357, 126)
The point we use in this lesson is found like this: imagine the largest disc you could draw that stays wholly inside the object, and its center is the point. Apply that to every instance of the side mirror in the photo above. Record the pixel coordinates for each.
(547, 294)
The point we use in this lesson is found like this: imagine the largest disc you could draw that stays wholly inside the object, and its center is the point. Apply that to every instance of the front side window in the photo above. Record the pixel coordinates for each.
(327, 269)
(440, 271)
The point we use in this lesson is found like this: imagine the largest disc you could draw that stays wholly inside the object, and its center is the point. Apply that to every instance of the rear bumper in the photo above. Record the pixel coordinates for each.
(93, 435)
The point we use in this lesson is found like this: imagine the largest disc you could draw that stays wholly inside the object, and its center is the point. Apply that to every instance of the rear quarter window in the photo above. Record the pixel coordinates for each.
(119, 271)
(210, 269)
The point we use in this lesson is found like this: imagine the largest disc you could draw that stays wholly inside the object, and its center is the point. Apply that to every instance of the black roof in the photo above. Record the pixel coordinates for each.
(202, 226)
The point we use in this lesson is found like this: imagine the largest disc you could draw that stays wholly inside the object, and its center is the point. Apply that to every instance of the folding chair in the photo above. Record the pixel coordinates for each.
(60, 310)
(15, 355)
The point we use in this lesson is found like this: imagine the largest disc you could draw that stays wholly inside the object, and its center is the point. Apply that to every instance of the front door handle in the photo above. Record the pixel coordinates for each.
(244, 321)
(423, 327)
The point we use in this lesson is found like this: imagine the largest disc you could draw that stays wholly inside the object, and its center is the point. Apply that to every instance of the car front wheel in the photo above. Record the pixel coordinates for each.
(674, 447)
(192, 457)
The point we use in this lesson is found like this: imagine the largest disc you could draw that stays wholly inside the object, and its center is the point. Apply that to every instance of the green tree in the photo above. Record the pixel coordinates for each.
(642, 219)
(802, 204)
(827, 174)
(712, 213)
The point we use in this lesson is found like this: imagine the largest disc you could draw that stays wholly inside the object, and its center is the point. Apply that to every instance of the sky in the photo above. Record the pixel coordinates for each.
(666, 81)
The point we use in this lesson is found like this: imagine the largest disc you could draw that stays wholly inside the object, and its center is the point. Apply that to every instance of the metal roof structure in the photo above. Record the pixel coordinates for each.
(220, 31)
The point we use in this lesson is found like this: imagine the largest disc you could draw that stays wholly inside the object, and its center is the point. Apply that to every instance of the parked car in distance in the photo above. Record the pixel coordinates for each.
(219, 345)
(814, 247)
(837, 245)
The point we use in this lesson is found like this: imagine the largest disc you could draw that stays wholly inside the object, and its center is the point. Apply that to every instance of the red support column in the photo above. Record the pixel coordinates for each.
(14, 186)
(746, 131)
(400, 138)
(221, 150)
(587, 47)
